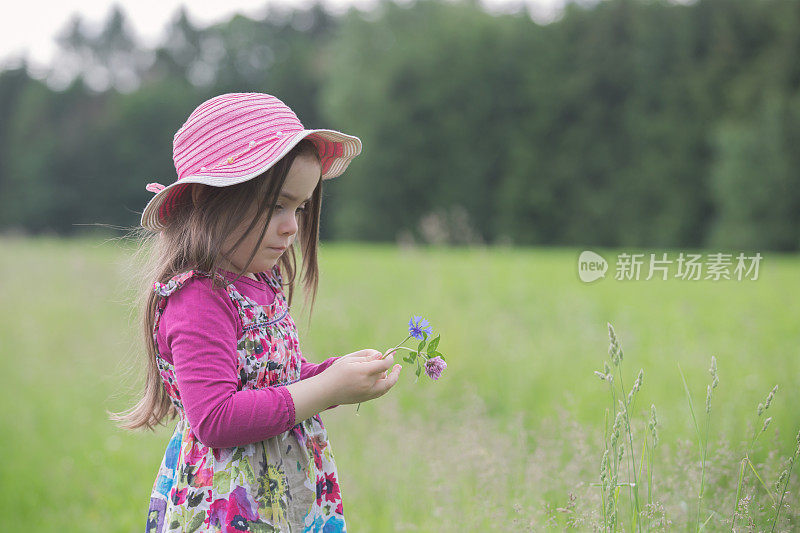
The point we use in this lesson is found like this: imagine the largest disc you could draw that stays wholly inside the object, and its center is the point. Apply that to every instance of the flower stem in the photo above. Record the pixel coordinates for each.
(398, 346)
(403, 348)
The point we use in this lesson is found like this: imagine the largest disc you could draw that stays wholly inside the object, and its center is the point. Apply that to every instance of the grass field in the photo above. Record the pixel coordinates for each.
(512, 431)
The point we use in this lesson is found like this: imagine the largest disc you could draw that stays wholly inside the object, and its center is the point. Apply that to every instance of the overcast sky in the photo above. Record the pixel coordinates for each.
(32, 25)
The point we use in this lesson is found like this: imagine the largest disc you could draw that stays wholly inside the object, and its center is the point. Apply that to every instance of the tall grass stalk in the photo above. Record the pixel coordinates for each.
(762, 408)
(615, 442)
(610, 467)
(702, 442)
(784, 478)
(652, 426)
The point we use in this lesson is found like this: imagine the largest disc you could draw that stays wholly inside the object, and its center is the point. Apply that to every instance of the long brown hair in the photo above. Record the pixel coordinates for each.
(193, 240)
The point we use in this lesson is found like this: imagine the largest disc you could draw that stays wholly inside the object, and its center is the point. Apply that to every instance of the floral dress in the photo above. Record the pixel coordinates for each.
(287, 483)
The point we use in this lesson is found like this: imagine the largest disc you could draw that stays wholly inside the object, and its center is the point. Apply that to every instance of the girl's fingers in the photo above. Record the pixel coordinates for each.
(365, 354)
(381, 364)
(395, 373)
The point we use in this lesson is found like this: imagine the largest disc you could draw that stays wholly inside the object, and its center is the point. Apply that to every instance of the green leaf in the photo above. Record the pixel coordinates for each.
(438, 354)
(432, 346)
(194, 498)
(413, 356)
(260, 527)
(197, 521)
(407, 359)
(421, 346)
(419, 369)
(247, 469)
(222, 480)
(237, 454)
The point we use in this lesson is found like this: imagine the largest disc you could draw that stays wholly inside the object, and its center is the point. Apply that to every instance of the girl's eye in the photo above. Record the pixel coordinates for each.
(301, 209)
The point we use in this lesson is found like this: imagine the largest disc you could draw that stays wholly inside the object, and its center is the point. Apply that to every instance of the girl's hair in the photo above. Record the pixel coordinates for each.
(193, 240)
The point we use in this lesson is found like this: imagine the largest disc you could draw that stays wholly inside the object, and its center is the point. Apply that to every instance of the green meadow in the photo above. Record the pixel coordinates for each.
(509, 439)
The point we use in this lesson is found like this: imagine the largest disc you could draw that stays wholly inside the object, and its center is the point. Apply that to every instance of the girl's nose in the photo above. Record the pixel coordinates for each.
(289, 225)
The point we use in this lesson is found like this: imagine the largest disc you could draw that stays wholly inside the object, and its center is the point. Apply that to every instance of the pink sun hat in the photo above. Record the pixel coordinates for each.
(235, 137)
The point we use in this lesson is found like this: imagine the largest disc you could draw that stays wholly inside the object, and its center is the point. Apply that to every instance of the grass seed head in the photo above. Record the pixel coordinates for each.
(713, 372)
(613, 353)
(636, 385)
(653, 423)
(610, 512)
(615, 429)
(614, 349)
(770, 396)
(781, 479)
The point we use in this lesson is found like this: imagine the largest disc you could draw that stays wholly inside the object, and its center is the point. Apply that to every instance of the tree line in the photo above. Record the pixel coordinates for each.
(622, 123)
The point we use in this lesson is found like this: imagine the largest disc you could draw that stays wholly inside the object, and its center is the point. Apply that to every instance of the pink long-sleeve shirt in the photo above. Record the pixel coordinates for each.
(198, 333)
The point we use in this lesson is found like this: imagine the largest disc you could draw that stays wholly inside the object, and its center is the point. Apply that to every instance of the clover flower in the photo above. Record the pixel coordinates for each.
(434, 367)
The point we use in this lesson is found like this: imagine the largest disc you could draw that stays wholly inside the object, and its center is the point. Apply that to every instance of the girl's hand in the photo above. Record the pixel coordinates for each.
(361, 376)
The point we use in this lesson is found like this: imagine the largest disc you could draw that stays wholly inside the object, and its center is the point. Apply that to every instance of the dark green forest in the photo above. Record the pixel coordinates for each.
(621, 123)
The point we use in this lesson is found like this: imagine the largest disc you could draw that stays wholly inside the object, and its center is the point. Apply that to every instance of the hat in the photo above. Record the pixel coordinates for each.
(234, 137)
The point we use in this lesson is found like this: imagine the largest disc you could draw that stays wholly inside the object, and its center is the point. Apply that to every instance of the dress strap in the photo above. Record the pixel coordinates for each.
(247, 308)
(174, 283)
(274, 278)
(177, 281)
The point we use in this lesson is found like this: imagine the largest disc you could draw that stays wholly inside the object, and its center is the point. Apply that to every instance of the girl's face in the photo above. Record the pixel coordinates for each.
(301, 180)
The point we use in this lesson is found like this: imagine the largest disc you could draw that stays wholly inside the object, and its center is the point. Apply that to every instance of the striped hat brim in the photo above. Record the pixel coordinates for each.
(336, 150)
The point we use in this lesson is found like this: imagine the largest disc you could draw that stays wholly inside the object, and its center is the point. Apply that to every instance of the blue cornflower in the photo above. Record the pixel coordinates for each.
(417, 325)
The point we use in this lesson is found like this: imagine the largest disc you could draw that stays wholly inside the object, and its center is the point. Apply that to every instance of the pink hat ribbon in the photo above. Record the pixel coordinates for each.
(155, 187)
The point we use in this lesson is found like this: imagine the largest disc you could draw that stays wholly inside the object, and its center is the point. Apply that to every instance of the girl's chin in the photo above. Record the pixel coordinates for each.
(267, 264)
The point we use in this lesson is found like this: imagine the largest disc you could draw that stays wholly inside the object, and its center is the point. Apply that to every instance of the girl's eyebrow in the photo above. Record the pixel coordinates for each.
(292, 198)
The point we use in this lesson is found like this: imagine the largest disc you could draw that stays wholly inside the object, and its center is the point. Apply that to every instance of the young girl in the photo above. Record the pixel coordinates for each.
(249, 451)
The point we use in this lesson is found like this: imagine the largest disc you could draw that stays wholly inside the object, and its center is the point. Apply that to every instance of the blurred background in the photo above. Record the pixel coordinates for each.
(618, 123)
(500, 139)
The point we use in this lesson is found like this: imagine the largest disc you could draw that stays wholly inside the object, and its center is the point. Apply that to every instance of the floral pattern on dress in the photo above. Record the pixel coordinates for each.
(286, 483)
